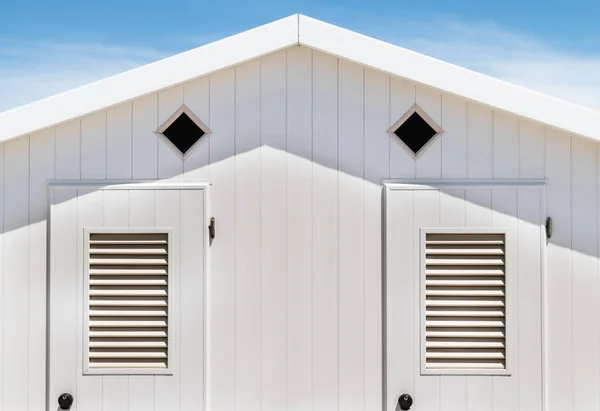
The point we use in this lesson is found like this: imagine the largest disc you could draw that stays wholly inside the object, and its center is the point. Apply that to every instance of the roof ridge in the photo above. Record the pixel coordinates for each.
(293, 30)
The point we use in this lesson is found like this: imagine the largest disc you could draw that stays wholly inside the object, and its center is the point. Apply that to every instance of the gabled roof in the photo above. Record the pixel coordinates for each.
(315, 34)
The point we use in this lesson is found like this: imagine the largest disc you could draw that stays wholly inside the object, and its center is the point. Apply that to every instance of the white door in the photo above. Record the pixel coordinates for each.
(126, 315)
(463, 290)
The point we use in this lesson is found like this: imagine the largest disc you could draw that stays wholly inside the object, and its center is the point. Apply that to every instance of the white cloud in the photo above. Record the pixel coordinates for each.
(33, 70)
(514, 57)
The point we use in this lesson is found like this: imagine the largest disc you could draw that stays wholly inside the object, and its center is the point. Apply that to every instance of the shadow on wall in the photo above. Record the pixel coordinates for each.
(253, 160)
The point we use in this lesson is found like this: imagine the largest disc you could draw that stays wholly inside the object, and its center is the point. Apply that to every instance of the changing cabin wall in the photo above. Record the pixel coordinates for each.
(298, 149)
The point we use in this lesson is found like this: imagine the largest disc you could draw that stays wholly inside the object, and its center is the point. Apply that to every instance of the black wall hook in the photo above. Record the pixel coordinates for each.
(211, 230)
(549, 227)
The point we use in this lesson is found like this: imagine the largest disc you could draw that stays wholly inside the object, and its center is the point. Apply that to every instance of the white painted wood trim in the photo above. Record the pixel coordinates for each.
(510, 313)
(543, 292)
(385, 297)
(150, 78)
(416, 109)
(484, 184)
(128, 184)
(171, 296)
(448, 77)
(54, 185)
(183, 109)
(285, 33)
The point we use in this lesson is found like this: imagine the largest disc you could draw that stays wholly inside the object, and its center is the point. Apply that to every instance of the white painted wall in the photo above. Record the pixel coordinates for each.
(298, 149)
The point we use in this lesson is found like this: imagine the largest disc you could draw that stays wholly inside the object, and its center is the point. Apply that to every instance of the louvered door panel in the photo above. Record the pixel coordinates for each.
(465, 297)
(128, 302)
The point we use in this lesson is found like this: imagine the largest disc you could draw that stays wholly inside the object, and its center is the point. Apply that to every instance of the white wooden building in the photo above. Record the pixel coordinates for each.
(379, 221)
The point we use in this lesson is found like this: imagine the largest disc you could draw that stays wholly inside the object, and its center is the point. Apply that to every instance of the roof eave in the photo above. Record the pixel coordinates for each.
(149, 79)
(449, 78)
(315, 34)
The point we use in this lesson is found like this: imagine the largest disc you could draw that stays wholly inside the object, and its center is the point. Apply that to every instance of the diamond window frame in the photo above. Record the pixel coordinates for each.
(415, 108)
(165, 125)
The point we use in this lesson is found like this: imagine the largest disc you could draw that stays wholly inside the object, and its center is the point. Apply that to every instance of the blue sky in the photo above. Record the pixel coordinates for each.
(50, 46)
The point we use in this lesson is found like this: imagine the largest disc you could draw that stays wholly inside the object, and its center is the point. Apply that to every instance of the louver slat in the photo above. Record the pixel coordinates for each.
(128, 301)
(478, 365)
(94, 333)
(465, 293)
(128, 344)
(465, 344)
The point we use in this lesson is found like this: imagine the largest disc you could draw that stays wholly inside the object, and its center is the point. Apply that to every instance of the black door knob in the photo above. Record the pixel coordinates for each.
(405, 401)
(65, 400)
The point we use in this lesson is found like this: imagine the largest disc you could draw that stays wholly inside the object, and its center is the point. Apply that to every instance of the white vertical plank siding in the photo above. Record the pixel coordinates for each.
(67, 166)
(505, 207)
(429, 161)
(376, 167)
(170, 163)
(531, 165)
(67, 148)
(325, 226)
(145, 143)
(480, 141)
(402, 98)
(299, 230)
(167, 213)
(90, 214)
(63, 311)
(119, 129)
(220, 350)
(115, 388)
(41, 152)
(90, 392)
(426, 213)
(90, 208)
(247, 236)
(350, 251)
(294, 306)
(196, 95)
(141, 214)
(453, 393)
(401, 285)
(584, 274)
(16, 275)
(191, 341)
(479, 214)
(506, 145)
(273, 188)
(530, 302)
(99, 392)
(93, 146)
(453, 388)
(478, 210)
(479, 394)
(454, 139)
(532, 153)
(559, 294)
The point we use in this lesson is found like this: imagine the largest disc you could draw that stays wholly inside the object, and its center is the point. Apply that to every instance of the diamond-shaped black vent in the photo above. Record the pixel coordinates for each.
(415, 132)
(183, 133)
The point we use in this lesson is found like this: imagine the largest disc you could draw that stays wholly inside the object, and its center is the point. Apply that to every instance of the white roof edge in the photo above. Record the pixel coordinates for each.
(149, 79)
(315, 34)
(449, 78)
